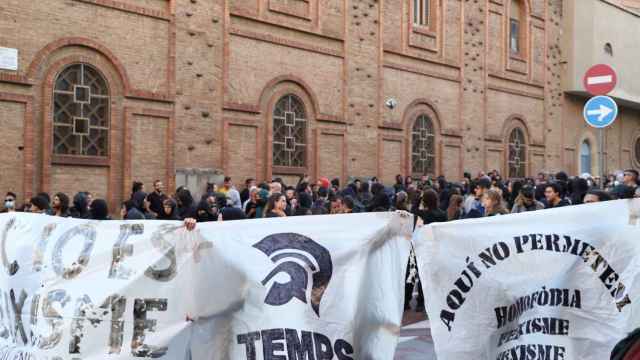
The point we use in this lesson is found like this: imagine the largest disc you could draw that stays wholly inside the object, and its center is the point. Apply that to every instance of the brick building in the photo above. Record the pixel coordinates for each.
(103, 92)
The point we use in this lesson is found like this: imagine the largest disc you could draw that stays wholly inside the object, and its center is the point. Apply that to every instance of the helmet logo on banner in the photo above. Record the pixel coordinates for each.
(301, 258)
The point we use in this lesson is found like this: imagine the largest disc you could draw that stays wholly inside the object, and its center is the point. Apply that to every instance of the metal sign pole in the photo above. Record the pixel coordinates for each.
(603, 173)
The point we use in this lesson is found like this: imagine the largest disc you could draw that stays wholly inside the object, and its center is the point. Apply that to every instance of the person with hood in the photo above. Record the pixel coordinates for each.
(579, 188)
(305, 201)
(80, 208)
(99, 210)
(207, 208)
(380, 200)
(186, 207)
(128, 211)
(142, 204)
(169, 210)
(263, 196)
(350, 190)
(323, 200)
(526, 201)
(364, 195)
(230, 213)
(61, 205)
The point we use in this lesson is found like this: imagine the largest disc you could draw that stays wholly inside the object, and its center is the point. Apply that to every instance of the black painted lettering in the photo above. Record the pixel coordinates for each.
(343, 350)
(249, 341)
(324, 350)
(272, 341)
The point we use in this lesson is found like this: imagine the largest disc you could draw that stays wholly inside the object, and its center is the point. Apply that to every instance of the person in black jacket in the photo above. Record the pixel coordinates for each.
(99, 210)
(60, 205)
(156, 198)
(364, 196)
(245, 193)
(399, 185)
(186, 208)
(208, 208)
(429, 210)
(445, 193)
(169, 210)
(80, 209)
(128, 211)
(380, 200)
(553, 194)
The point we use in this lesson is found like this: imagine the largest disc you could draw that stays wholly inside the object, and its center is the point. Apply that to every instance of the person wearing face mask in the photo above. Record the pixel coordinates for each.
(9, 203)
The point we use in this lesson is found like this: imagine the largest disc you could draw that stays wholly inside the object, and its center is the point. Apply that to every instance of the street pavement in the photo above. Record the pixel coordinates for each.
(415, 341)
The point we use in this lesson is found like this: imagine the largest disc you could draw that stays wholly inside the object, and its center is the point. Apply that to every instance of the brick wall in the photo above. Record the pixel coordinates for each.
(206, 81)
(11, 122)
(149, 149)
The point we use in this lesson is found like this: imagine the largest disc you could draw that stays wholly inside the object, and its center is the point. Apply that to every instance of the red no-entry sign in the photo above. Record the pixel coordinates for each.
(600, 79)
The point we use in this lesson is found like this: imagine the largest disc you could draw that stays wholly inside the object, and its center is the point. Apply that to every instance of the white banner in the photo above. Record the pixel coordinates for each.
(559, 284)
(318, 287)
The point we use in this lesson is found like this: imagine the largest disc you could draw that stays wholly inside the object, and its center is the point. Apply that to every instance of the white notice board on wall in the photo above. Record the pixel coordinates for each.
(8, 59)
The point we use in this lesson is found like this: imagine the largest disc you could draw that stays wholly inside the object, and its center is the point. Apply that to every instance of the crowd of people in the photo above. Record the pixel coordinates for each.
(430, 199)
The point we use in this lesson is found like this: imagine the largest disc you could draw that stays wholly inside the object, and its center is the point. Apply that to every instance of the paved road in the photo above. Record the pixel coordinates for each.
(415, 341)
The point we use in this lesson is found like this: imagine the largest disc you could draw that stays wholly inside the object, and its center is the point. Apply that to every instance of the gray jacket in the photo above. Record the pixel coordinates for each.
(536, 205)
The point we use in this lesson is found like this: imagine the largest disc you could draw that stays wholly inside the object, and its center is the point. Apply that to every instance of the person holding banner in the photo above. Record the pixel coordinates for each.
(593, 196)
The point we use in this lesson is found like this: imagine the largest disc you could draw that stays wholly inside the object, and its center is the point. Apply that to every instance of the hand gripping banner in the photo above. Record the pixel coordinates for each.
(560, 284)
(321, 287)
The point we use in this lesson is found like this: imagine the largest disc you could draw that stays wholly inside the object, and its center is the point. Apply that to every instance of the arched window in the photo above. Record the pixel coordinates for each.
(421, 12)
(289, 132)
(423, 147)
(517, 152)
(517, 27)
(81, 112)
(585, 157)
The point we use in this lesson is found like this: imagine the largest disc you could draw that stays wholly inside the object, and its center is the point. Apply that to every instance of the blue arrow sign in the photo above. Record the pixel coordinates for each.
(600, 111)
